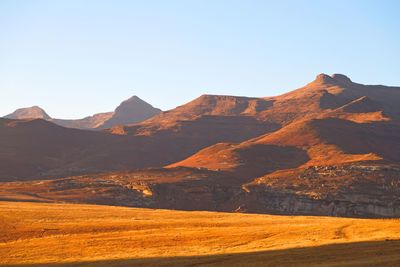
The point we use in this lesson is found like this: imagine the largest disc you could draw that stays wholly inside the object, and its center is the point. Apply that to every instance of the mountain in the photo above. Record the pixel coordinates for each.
(328, 148)
(197, 111)
(325, 93)
(34, 112)
(130, 111)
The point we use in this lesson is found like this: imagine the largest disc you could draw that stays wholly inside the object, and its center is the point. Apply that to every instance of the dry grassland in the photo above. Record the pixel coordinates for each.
(39, 233)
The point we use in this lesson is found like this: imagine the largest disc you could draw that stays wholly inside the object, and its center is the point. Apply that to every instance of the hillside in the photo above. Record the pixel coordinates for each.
(90, 122)
(328, 93)
(304, 143)
(34, 148)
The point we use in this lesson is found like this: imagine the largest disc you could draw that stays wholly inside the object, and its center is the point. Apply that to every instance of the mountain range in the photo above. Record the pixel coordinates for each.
(331, 147)
(130, 111)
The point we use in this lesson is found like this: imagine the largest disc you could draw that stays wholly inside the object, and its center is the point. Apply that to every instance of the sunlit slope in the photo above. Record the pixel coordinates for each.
(45, 233)
(307, 142)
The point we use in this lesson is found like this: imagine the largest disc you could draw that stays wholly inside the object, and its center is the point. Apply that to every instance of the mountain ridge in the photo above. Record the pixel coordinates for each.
(132, 110)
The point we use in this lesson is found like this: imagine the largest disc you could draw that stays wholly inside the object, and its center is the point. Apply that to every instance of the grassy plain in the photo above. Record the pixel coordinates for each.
(94, 235)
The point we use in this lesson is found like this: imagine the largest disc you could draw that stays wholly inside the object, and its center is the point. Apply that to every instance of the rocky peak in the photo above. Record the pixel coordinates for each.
(130, 111)
(133, 99)
(341, 77)
(134, 103)
(33, 112)
(335, 78)
(323, 78)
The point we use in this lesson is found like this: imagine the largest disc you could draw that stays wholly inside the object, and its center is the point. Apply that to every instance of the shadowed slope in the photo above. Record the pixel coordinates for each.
(36, 148)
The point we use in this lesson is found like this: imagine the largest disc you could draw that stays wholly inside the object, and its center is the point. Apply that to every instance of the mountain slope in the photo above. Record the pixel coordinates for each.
(328, 93)
(38, 148)
(308, 142)
(35, 148)
(89, 122)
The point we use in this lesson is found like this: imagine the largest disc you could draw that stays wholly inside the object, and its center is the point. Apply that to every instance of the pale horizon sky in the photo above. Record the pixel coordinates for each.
(77, 58)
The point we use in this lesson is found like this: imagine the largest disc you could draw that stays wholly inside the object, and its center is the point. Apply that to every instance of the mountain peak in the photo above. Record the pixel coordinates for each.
(324, 78)
(133, 110)
(131, 102)
(341, 77)
(34, 112)
(132, 99)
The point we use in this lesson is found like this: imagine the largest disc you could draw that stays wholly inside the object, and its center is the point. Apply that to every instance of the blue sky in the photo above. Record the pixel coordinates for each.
(77, 58)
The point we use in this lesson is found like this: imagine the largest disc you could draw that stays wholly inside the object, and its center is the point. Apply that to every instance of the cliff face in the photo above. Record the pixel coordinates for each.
(360, 189)
(277, 202)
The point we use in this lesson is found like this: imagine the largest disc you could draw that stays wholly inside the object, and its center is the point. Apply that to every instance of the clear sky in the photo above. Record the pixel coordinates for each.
(77, 58)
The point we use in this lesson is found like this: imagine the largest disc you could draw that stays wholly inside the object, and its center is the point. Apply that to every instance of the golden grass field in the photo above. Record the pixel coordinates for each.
(92, 235)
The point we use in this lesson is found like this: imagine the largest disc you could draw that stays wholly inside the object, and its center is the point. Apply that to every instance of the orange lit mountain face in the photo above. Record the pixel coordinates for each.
(331, 147)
